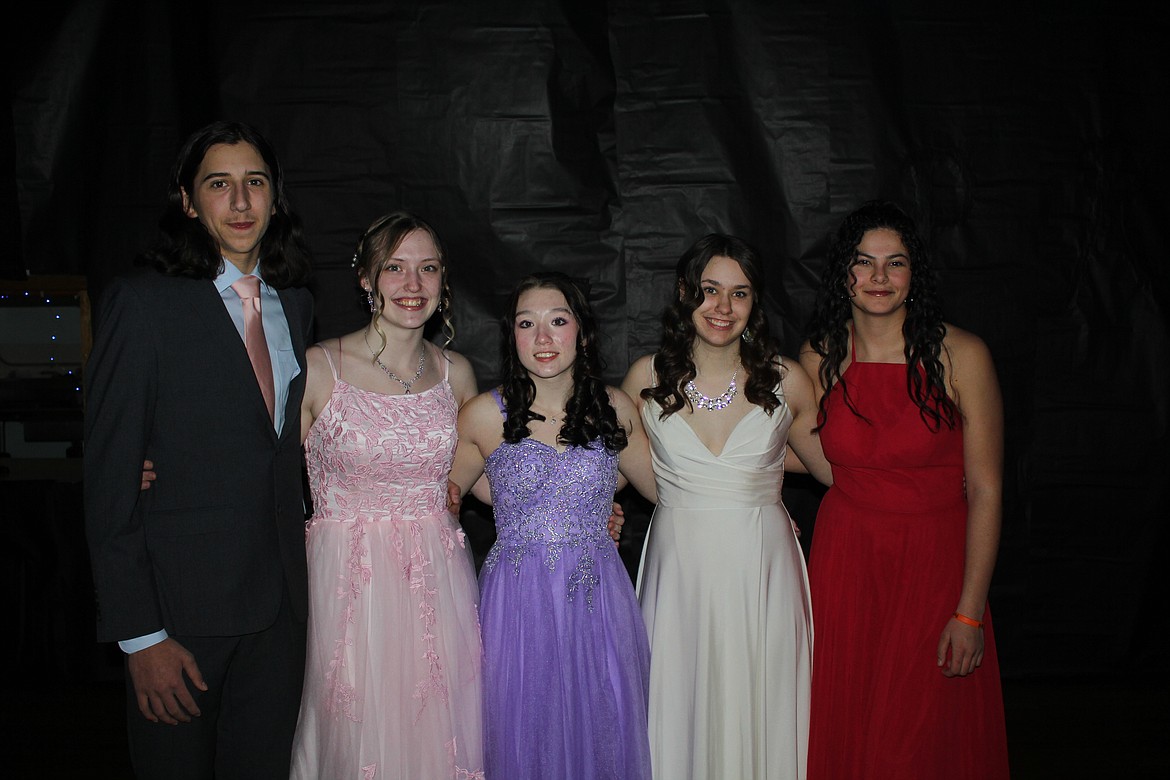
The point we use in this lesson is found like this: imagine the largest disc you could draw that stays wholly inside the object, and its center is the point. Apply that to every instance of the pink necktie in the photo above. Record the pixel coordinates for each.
(248, 288)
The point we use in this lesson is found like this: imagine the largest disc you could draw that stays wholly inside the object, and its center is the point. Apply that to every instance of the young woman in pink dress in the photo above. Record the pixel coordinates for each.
(392, 680)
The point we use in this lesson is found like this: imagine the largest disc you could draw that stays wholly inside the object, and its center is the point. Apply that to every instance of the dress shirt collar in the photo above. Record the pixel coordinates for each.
(230, 274)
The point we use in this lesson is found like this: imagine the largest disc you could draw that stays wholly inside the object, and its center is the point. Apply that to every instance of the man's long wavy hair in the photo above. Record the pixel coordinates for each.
(184, 247)
(674, 364)
(923, 329)
(589, 415)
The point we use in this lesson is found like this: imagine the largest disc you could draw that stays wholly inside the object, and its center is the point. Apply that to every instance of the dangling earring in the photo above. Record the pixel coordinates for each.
(370, 301)
(747, 336)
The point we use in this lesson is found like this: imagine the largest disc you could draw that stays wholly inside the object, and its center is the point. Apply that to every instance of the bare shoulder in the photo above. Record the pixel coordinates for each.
(315, 355)
(461, 376)
(810, 359)
(621, 401)
(320, 369)
(791, 371)
(963, 348)
(639, 375)
(481, 407)
(798, 387)
(319, 384)
(642, 369)
(458, 362)
(970, 372)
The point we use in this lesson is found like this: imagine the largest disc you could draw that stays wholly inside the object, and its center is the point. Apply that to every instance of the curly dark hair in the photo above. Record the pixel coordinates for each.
(674, 365)
(381, 239)
(184, 247)
(923, 329)
(588, 414)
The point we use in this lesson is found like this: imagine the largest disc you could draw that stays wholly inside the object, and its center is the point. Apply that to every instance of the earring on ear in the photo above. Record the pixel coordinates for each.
(747, 335)
(370, 301)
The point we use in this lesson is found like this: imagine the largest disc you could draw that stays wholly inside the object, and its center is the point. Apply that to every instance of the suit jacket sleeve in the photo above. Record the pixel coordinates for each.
(121, 382)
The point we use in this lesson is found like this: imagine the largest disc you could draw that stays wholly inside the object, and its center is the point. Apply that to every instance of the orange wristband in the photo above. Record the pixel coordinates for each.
(967, 620)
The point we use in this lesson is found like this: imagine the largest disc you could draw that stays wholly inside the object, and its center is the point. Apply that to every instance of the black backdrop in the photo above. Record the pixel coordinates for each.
(601, 138)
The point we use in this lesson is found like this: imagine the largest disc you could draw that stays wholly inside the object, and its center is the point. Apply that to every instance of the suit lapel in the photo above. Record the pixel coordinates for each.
(298, 331)
(222, 336)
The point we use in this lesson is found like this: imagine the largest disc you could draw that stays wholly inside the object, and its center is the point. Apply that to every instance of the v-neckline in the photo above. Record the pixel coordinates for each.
(730, 436)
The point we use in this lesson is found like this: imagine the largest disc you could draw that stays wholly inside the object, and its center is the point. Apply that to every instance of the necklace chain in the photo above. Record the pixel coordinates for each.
(551, 420)
(406, 383)
(715, 404)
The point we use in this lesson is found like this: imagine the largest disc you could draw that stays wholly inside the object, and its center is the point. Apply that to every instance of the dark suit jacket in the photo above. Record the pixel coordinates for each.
(208, 549)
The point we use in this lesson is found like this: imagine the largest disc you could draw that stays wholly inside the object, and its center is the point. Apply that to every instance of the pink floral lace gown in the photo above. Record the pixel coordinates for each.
(392, 681)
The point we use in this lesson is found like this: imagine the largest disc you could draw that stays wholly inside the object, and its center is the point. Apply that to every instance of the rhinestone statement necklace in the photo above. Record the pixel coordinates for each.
(715, 404)
(406, 383)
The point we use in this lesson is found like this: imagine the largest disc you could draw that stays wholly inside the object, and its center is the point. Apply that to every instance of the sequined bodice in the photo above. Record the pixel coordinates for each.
(547, 502)
(379, 456)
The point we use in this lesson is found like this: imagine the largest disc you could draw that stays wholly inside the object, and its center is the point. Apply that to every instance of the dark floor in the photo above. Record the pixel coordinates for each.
(1056, 729)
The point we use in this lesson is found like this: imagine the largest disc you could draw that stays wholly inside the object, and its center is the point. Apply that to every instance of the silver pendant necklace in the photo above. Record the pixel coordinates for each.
(406, 383)
(715, 404)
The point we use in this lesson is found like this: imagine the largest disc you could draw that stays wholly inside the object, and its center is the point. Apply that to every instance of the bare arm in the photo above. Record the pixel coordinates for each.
(637, 379)
(318, 388)
(634, 461)
(974, 386)
(461, 377)
(480, 431)
(793, 463)
(801, 395)
(810, 361)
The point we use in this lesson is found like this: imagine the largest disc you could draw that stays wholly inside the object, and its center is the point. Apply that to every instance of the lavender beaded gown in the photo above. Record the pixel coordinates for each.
(566, 659)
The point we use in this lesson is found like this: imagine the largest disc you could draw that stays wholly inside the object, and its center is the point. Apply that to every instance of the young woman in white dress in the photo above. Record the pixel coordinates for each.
(722, 583)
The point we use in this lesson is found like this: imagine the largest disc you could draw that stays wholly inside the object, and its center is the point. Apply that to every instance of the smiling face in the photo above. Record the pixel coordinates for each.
(727, 302)
(232, 196)
(880, 274)
(545, 332)
(410, 281)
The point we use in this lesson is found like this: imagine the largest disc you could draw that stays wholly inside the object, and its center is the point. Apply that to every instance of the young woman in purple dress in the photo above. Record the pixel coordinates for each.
(566, 659)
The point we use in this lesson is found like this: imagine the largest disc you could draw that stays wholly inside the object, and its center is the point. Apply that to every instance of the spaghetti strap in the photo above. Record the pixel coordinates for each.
(499, 401)
(329, 358)
(446, 361)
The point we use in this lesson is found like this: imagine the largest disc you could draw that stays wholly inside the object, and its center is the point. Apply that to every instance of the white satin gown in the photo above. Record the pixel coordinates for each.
(724, 593)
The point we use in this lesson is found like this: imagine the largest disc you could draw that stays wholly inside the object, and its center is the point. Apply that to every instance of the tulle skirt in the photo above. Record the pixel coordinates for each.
(566, 668)
(392, 681)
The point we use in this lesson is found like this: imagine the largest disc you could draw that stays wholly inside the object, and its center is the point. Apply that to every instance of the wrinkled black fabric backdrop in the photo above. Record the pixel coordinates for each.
(602, 138)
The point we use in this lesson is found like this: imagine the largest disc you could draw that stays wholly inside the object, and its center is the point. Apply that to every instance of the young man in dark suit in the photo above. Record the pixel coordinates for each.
(201, 369)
